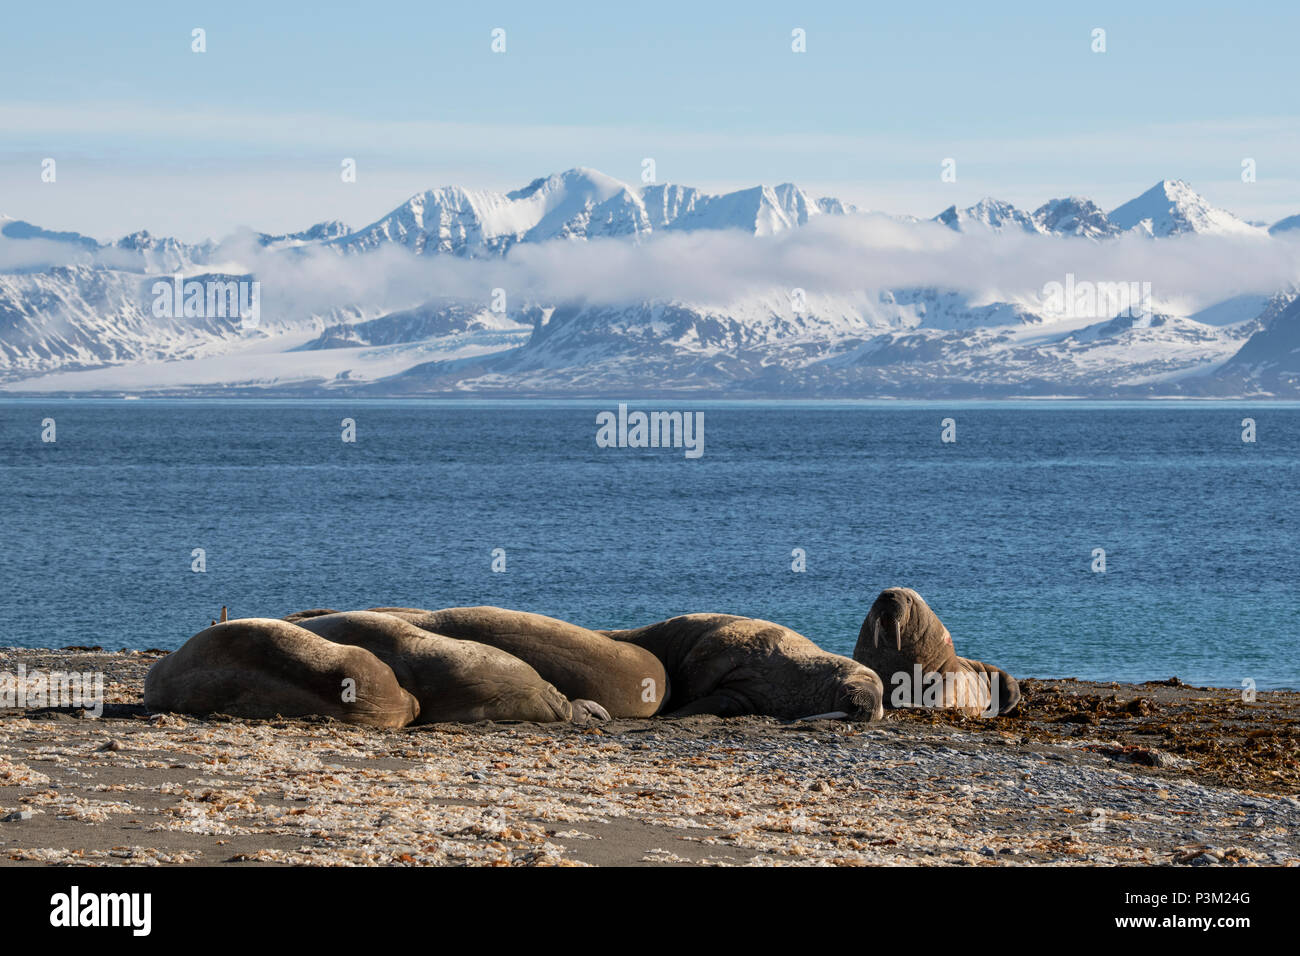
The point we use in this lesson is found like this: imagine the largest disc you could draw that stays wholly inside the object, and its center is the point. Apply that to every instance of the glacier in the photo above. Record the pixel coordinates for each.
(580, 284)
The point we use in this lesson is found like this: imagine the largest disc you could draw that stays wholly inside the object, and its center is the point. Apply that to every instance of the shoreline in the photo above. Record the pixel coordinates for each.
(599, 400)
(1083, 773)
(15, 653)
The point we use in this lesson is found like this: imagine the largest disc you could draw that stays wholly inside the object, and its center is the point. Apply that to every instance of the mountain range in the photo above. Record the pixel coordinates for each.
(379, 310)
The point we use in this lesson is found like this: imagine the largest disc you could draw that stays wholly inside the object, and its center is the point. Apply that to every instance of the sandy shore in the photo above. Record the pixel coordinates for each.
(1083, 773)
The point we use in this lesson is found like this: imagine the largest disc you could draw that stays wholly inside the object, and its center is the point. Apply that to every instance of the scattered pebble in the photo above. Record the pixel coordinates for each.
(915, 788)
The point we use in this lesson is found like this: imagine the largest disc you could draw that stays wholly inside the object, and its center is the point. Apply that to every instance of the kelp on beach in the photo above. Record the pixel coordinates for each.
(1208, 733)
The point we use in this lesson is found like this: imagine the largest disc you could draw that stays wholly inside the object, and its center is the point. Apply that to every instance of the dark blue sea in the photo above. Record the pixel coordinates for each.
(996, 530)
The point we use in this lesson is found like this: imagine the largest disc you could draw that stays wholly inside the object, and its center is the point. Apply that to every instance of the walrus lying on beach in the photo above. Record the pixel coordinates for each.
(626, 680)
(298, 617)
(904, 642)
(260, 667)
(733, 666)
(358, 667)
(454, 680)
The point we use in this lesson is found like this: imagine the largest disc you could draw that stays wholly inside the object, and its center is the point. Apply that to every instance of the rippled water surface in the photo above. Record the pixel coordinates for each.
(997, 530)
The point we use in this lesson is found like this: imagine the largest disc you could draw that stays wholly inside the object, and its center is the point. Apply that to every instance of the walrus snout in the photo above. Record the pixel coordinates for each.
(862, 697)
(890, 612)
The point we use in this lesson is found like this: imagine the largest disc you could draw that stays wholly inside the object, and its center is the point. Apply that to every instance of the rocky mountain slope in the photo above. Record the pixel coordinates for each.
(80, 315)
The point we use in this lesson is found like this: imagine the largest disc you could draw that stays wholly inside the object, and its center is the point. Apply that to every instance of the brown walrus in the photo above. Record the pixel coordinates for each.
(454, 680)
(731, 666)
(626, 680)
(298, 616)
(904, 641)
(258, 667)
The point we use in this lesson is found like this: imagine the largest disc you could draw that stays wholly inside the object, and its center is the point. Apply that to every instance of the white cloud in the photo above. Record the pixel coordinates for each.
(832, 255)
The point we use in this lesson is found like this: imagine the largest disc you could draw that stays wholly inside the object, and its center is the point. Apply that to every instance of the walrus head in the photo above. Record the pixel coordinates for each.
(901, 627)
(861, 696)
(902, 634)
(891, 610)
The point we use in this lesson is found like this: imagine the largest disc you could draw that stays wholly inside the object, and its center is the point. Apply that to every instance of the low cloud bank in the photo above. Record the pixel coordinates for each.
(831, 256)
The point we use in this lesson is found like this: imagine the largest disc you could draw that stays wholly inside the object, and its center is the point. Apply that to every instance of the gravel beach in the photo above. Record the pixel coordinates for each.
(1082, 773)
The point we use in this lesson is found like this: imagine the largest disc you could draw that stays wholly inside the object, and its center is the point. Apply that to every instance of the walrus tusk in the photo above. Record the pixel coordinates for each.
(898, 634)
(829, 715)
(223, 614)
(875, 634)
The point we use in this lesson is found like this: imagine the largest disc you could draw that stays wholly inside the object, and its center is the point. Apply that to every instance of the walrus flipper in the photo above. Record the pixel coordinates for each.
(1002, 688)
(588, 710)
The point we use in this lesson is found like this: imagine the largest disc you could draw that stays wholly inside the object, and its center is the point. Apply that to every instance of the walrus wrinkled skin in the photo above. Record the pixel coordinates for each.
(624, 679)
(903, 639)
(258, 667)
(733, 666)
(454, 680)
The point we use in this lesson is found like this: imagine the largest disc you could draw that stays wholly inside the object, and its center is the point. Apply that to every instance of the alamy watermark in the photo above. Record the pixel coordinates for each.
(209, 299)
(651, 430)
(1084, 299)
(55, 689)
(74, 908)
(940, 690)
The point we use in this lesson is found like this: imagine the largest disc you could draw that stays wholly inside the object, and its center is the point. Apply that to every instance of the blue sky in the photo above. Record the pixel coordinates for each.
(148, 134)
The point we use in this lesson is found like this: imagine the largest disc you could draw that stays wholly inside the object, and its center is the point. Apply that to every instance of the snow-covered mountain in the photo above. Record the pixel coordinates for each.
(991, 214)
(17, 229)
(72, 317)
(161, 254)
(140, 251)
(78, 315)
(839, 348)
(321, 232)
(1289, 224)
(1269, 361)
(1171, 208)
(1074, 216)
(578, 204)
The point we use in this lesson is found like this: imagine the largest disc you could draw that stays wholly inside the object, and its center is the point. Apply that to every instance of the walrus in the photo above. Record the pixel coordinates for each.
(625, 680)
(454, 680)
(732, 666)
(259, 667)
(297, 616)
(904, 641)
